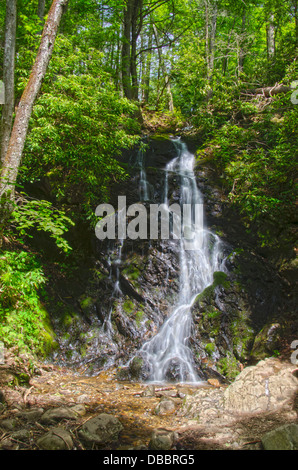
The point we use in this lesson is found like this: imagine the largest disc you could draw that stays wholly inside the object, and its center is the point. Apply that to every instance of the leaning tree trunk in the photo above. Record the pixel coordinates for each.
(8, 75)
(19, 132)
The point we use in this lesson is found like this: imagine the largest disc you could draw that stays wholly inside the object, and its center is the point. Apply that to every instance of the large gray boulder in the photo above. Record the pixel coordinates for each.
(101, 429)
(267, 386)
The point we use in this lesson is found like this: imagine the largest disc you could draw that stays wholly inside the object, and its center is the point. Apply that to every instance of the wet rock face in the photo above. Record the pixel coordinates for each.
(235, 317)
(129, 295)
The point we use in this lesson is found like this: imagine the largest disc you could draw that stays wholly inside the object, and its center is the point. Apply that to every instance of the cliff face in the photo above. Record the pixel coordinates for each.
(122, 296)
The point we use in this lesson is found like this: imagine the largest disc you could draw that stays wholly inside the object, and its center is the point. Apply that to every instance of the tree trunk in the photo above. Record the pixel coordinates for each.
(147, 69)
(269, 90)
(8, 75)
(136, 27)
(241, 51)
(296, 21)
(225, 59)
(41, 9)
(270, 37)
(126, 83)
(19, 132)
(164, 71)
(207, 37)
(212, 38)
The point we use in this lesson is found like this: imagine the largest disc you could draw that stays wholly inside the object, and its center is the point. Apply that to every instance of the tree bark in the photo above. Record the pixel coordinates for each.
(164, 71)
(41, 9)
(147, 68)
(126, 82)
(241, 50)
(210, 36)
(270, 37)
(8, 75)
(136, 27)
(19, 132)
(225, 59)
(296, 21)
(207, 37)
(269, 90)
(213, 38)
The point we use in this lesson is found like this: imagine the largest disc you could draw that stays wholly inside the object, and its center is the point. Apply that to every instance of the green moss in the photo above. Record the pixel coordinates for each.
(220, 279)
(67, 318)
(83, 350)
(213, 314)
(210, 348)
(128, 306)
(160, 137)
(131, 272)
(47, 335)
(86, 303)
(135, 367)
(228, 366)
(139, 317)
(99, 275)
(206, 295)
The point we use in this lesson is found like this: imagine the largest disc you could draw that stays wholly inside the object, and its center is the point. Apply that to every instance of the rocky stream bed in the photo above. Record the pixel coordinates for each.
(54, 408)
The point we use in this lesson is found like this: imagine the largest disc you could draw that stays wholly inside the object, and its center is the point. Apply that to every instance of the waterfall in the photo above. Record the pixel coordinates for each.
(143, 182)
(168, 354)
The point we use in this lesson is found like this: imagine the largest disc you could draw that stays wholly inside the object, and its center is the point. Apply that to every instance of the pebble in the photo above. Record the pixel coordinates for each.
(165, 407)
(162, 439)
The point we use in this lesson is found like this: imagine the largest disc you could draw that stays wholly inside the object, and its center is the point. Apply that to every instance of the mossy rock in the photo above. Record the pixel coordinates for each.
(128, 306)
(210, 348)
(132, 272)
(86, 303)
(139, 316)
(267, 342)
(160, 137)
(228, 366)
(220, 279)
(48, 336)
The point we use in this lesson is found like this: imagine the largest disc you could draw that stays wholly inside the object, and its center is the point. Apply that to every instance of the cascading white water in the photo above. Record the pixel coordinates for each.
(107, 327)
(143, 183)
(168, 353)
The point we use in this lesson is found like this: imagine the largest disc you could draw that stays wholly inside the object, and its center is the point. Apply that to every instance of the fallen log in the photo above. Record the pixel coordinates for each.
(269, 90)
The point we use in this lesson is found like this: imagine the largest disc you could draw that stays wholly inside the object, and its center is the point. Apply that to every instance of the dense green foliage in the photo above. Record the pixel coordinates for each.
(79, 126)
(23, 321)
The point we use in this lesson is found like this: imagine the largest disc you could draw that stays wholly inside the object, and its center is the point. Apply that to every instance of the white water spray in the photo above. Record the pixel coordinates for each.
(168, 354)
